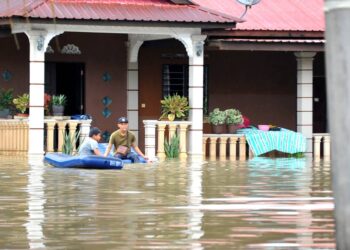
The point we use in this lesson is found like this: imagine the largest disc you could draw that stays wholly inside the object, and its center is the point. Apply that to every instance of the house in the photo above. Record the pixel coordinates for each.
(120, 57)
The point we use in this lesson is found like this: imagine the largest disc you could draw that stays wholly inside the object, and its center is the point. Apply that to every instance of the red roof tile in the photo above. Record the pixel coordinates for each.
(274, 15)
(116, 10)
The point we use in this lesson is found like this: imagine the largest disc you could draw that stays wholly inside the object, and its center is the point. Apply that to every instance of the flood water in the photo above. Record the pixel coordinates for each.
(260, 203)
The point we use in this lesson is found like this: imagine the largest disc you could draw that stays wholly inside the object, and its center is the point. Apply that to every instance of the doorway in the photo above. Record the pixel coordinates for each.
(68, 79)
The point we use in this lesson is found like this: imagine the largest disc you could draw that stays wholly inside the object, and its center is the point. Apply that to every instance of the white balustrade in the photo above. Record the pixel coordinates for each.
(322, 146)
(14, 133)
(165, 131)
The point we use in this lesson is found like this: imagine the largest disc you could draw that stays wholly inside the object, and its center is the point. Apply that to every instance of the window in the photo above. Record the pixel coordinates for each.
(175, 81)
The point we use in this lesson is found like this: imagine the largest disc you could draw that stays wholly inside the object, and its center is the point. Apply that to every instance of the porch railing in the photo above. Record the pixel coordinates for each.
(235, 146)
(156, 132)
(14, 134)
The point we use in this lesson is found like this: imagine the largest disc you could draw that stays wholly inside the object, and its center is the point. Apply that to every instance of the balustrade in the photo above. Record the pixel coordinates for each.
(165, 130)
(14, 134)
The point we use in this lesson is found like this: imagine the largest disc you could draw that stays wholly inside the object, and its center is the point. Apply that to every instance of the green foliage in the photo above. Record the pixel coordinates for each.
(217, 117)
(175, 104)
(69, 142)
(6, 98)
(59, 100)
(172, 148)
(296, 155)
(233, 116)
(22, 102)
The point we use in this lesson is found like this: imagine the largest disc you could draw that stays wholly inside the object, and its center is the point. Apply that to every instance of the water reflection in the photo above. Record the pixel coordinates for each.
(36, 201)
(254, 204)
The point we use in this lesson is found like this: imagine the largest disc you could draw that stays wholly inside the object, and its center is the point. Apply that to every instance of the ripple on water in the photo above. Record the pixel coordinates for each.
(261, 203)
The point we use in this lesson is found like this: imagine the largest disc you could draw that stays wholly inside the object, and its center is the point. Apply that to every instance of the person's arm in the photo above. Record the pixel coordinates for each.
(108, 149)
(97, 152)
(139, 152)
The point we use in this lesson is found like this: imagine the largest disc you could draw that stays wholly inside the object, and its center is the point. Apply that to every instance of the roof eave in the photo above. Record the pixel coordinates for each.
(203, 25)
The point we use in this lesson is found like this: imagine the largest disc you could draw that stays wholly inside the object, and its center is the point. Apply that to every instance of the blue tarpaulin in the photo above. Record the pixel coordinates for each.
(261, 142)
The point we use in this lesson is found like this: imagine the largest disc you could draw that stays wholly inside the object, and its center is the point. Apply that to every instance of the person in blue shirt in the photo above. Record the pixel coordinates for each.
(90, 144)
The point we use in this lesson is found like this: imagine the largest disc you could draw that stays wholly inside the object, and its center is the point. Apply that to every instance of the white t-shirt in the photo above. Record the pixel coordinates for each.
(88, 146)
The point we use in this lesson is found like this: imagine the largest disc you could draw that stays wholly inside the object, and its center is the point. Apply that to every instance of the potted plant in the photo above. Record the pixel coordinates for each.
(6, 98)
(58, 103)
(22, 103)
(174, 106)
(234, 118)
(217, 119)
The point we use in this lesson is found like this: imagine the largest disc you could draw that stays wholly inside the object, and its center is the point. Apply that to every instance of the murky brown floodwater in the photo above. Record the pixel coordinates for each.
(255, 204)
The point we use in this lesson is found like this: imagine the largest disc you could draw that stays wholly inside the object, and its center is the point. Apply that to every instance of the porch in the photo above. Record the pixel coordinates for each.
(14, 134)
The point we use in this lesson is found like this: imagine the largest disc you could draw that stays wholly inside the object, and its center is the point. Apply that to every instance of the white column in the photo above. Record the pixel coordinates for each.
(36, 91)
(150, 138)
(305, 96)
(195, 92)
(84, 130)
(134, 45)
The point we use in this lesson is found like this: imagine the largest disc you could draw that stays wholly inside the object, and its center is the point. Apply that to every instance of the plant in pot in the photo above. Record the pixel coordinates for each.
(217, 119)
(234, 118)
(22, 103)
(6, 98)
(58, 102)
(174, 106)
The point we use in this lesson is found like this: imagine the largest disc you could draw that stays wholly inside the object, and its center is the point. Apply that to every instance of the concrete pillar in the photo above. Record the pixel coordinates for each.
(61, 125)
(222, 148)
(133, 45)
(38, 41)
(338, 94)
(242, 148)
(133, 97)
(233, 147)
(195, 92)
(183, 140)
(305, 96)
(161, 130)
(317, 146)
(50, 135)
(150, 138)
(212, 146)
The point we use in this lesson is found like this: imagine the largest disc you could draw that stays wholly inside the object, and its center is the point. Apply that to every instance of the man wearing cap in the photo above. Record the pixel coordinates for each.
(90, 144)
(123, 140)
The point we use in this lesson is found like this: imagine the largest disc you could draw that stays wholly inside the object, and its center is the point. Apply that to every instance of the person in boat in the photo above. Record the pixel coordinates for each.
(123, 140)
(90, 144)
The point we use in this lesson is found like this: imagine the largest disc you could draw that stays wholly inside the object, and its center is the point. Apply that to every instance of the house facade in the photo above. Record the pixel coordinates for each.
(120, 58)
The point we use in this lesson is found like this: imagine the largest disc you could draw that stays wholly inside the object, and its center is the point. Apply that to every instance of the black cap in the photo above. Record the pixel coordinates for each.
(122, 120)
(94, 131)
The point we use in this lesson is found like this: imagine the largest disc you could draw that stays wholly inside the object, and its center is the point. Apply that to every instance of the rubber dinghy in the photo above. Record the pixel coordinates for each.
(60, 160)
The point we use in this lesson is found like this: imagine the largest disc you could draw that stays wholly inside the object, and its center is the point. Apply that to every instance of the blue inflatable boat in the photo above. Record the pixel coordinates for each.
(86, 161)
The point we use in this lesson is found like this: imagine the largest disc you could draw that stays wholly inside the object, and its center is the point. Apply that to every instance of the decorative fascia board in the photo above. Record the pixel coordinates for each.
(127, 29)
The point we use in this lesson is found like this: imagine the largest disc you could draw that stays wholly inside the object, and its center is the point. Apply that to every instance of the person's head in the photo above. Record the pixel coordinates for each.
(123, 123)
(95, 134)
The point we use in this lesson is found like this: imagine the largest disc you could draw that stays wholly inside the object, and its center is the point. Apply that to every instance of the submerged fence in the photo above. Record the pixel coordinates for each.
(236, 146)
(14, 134)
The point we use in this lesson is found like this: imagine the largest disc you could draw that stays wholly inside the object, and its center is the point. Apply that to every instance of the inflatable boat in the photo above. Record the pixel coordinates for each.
(88, 161)
(85, 161)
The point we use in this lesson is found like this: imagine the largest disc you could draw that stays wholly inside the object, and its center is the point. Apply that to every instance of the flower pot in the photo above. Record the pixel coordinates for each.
(4, 113)
(57, 110)
(219, 129)
(171, 117)
(232, 128)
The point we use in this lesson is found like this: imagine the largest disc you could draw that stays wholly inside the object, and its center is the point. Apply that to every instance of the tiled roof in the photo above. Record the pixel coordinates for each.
(274, 15)
(115, 10)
